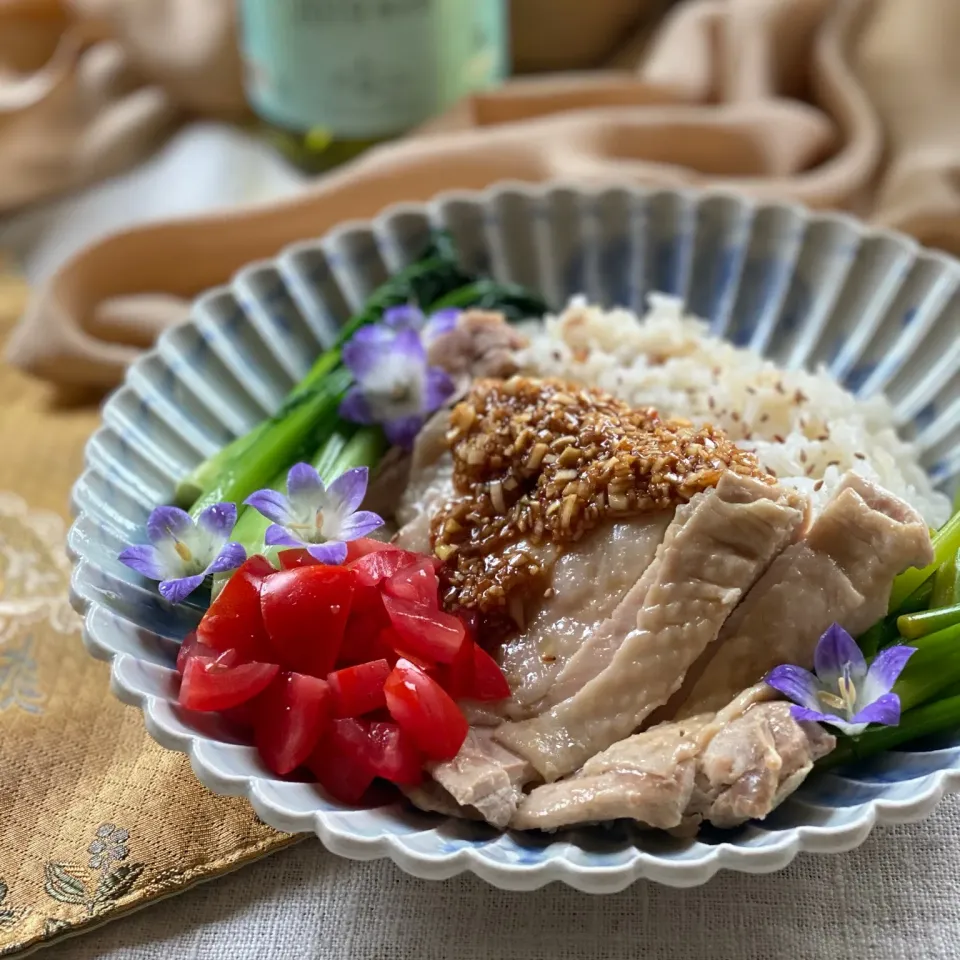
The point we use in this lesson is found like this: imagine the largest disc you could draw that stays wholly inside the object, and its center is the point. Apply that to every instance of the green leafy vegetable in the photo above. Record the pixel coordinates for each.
(946, 584)
(931, 670)
(880, 635)
(307, 416)
(886, 631)
(924, 613)
(290, 437)
(946, 543)
(514, 302)
(912, 626)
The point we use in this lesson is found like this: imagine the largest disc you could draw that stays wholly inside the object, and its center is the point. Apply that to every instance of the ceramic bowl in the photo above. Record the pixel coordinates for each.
(805, 289)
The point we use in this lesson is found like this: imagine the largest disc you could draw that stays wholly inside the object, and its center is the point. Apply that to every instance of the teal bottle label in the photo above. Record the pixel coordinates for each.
(366, 69)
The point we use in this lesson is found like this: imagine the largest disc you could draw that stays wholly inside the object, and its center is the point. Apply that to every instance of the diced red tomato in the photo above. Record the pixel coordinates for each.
(367, 601)
(381, 748)
(366, 596)
(187, 646)
(243, 714)
(432, 634)
(209, 685)
(393, 754)
(192, 647)
(361, 638)
(379, 716)
(430, 669)
(367, 619)
(290, 716)
(233, 620)
(339, 764)
(457, 676)
(363, 545)
(471, 621)
(416, 583)
(305, 611)
(359, 689)
(291, 559)
(474, 675)
(265, 652)
(489, 683)
(381, 564)
(425, 711)
(395, 641)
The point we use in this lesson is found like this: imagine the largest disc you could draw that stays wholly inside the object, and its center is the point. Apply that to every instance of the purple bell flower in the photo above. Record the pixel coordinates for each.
(317, 517)
(181, 552)
(395, 387)
(842, 691)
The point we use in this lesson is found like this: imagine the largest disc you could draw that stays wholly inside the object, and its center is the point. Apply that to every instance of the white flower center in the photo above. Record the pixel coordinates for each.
(187, 554)
(315, 522)
(847, 698)
(395, 389)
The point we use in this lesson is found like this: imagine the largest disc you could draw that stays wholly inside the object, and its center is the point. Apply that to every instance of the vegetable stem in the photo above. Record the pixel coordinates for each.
(934, 667)
(946, 584)
(206, 475)
(513, 301)
(946, 543)
(881, 634)
(885, 632)
(915, 625)
(364, 449)
(301, 430)
(298, 427)
(191, 487)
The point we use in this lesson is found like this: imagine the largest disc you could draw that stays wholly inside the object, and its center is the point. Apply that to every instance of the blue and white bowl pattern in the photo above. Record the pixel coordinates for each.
(804, 289)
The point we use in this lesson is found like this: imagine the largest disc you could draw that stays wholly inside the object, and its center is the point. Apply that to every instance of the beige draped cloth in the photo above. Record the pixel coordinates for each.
(834, 103)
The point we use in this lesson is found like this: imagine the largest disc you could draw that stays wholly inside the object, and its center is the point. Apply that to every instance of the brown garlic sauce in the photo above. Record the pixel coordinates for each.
(540, 462)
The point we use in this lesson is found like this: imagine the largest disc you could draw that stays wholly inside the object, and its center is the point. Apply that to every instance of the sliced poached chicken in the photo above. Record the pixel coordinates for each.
(724, 768)
(586, 585)
(725, 538)
(841, 572)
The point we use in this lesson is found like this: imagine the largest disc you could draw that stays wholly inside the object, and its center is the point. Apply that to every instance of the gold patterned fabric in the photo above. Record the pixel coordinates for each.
(95, 818)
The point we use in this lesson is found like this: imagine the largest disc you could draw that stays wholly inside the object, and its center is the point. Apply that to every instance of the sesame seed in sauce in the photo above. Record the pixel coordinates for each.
(542, 461)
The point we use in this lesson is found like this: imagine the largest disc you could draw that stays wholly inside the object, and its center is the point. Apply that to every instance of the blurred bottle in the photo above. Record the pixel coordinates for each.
(330, 78)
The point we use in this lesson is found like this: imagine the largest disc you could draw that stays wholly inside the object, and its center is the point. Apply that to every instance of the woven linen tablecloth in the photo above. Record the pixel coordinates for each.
(898, 896)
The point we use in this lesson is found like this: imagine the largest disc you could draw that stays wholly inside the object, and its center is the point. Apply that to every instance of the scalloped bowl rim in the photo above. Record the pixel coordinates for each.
(809, 838)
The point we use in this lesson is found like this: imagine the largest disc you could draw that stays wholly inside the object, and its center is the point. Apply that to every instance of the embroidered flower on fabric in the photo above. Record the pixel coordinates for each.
(109, 846)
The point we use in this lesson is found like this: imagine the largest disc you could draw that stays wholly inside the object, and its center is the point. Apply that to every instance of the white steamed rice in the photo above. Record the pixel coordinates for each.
(804, 427)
